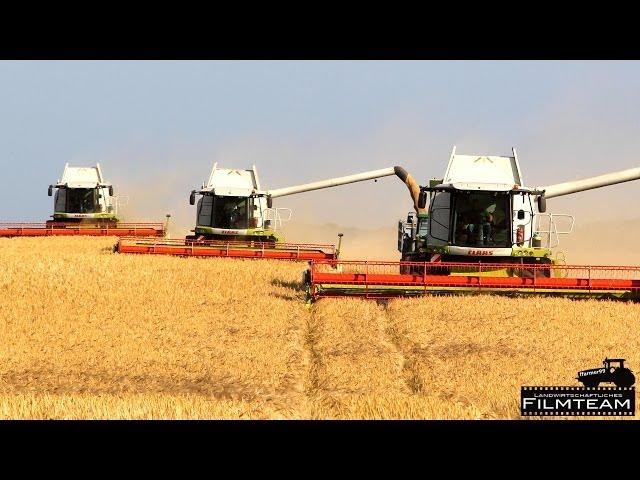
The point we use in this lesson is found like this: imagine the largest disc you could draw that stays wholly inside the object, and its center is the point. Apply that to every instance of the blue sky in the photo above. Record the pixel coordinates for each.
(156, 127)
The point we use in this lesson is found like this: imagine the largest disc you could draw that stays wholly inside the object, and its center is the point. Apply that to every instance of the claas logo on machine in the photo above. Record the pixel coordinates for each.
(481, 252)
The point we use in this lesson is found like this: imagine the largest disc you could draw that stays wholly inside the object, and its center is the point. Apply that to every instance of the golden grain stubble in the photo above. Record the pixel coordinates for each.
(480, 351)
(86, 333)
(78, 319)
(147, 406)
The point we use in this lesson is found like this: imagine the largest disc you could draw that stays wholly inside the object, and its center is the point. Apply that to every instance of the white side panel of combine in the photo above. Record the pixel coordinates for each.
(260, 212)
(474, 169)
(522, 203)
(105, 201)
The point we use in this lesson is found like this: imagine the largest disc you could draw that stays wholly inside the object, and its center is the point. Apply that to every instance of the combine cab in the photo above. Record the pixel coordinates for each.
(233, 207)
(480, 229)
(612, 371)
(84, 204)
(236, 218)
(481, 212)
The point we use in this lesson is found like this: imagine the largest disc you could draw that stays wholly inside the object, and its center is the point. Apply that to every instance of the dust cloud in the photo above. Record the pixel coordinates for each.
(595, 243)
(152, 201)
(357, 243)
(157, 182)
(603, 243)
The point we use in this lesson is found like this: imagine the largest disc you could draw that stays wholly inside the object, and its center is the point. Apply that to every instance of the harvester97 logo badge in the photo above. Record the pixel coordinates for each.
(590, 399)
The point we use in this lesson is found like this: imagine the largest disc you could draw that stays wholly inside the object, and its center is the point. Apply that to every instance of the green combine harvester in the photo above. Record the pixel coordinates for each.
(84, 204)
(479, 228)
(235, 217)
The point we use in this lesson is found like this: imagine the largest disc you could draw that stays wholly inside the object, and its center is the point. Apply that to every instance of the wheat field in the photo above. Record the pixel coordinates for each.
(89, 334)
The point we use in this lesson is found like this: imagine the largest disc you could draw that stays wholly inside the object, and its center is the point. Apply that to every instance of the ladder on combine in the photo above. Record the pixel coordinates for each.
(376, 280)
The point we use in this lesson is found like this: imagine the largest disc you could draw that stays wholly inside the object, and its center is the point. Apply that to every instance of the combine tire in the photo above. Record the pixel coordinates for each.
(525, 272)
(436, 270)
(544, 273)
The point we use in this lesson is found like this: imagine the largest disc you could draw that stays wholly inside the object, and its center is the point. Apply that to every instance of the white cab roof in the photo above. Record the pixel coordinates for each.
(82, 177)
(233, 182)
(483, 172)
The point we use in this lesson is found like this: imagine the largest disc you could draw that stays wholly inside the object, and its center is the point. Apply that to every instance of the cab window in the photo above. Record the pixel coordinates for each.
(81, 200)
(232, 212)
(481, 219)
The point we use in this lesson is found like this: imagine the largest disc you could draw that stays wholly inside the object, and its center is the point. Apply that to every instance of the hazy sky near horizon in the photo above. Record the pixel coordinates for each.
(156, 127)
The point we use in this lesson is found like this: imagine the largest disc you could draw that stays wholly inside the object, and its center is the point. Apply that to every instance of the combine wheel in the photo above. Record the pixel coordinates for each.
(407, 269)
(544, 272)
(416, 270)
(521, 272)
(524, 272)
(436, 270)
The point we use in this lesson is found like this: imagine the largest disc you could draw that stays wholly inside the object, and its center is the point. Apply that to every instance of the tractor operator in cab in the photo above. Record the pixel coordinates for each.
(237, 217)
(496, 219)
(81, 200)
(474, 220)
(478, 224)
(495, 214)
(468, 214)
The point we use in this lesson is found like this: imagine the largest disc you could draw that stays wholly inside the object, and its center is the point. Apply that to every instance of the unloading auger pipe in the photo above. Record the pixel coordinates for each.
(332, 182)
(401, 173)
(567, 188)
(412, 185)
